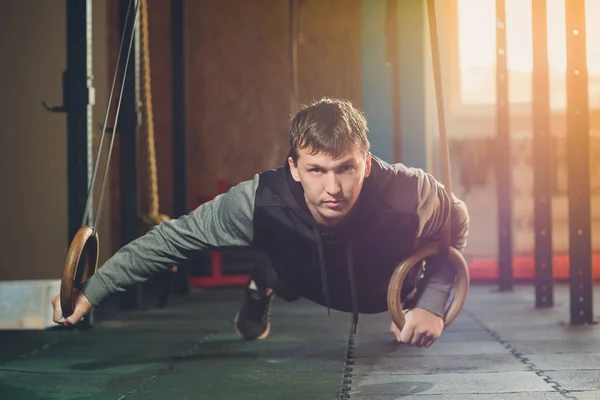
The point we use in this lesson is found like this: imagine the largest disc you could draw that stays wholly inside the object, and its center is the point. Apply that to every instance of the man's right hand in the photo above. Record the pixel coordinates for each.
(82, 307)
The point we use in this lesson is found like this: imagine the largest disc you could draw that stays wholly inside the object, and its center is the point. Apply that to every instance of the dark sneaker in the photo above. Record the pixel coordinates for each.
(252, 322)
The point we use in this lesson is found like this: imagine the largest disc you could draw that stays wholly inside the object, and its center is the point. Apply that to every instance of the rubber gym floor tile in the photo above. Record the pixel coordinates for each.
(231, 356)
(548, 332)
(446, 337)
(495, 396)
(147, 329)
(576, 380)
(433, 364)
(190, 351)
(248, 386)
(378, 323)
(498, 311)
(473, 335)
(18, 344)
(595, 395)
(127, 363)
(564, 362)
(555, 346)
(501, 382)
(84, 355)
(307, 326)
(37, 386)
(385, 346)
(281, 367)
(261, 366)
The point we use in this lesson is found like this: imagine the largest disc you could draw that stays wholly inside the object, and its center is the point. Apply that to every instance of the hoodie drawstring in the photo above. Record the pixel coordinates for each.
(324, 284)
(351, 278)
(352, 288)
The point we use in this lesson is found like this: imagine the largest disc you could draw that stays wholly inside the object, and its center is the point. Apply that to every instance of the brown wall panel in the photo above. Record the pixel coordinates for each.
(238, 80)
(329, 50)
(159, 12)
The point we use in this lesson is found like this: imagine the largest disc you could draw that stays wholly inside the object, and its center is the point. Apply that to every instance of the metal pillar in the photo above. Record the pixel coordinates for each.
(503, 160)
(393, 61)
(127, 128)
(178, 104)
(179, 125)
(580, 249)
(78, 103)
(542, 164)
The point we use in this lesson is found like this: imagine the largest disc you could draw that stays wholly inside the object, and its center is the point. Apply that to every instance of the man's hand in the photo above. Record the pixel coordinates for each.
(82, 307)
(421, 328)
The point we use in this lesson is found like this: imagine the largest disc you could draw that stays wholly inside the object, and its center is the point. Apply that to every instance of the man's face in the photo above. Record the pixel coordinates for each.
(331, 186)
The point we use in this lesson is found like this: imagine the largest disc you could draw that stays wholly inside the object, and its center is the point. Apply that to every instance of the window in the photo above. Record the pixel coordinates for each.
(477, 43)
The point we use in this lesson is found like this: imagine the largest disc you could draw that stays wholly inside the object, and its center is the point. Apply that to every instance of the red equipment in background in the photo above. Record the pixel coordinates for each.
(217, 278)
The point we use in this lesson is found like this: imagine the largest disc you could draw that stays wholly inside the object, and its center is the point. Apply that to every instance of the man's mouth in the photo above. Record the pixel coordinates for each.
(333, 203)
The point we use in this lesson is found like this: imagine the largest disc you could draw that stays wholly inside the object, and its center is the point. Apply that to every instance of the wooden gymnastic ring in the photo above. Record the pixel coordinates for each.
(461, 269)
(86, 239)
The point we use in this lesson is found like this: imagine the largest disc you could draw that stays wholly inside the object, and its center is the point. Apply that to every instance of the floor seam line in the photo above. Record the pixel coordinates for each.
(521, 357)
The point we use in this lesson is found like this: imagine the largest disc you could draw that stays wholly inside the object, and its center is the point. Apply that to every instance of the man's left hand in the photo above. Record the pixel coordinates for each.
(421, 328)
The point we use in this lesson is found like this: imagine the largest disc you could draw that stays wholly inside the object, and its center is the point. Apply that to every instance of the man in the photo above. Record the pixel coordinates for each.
(334, 221)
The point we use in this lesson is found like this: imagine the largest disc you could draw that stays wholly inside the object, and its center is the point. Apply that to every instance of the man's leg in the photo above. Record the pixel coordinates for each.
(253, 322)
(272, 277)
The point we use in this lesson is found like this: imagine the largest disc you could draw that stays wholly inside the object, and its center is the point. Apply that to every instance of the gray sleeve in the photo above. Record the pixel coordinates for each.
(224, 221)
(434, 208)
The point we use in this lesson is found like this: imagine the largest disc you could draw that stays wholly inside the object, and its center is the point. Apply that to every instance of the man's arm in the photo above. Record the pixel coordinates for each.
(433, 210)
(224, 221)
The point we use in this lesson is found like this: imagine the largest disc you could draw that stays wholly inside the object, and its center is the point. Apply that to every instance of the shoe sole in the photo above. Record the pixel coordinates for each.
(262, 336)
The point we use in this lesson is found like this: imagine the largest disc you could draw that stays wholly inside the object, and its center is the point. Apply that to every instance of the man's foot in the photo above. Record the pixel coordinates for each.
(253, 322)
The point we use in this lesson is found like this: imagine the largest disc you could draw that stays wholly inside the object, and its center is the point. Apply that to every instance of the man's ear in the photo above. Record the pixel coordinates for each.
(368, 165)
(294, 169)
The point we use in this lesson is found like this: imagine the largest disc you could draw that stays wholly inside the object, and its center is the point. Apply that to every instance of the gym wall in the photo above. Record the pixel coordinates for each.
(238, 85)
(33, 147)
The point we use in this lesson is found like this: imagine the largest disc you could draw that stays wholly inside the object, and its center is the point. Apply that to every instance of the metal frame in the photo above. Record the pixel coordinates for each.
(542, 160)
(577, 115)
(128, 131)
(178, 106)
(78, 104)
(503, 160)
(580, 248)
(179, 126)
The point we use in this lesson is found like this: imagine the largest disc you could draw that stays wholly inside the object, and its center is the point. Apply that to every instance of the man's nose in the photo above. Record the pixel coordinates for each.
(333, 184)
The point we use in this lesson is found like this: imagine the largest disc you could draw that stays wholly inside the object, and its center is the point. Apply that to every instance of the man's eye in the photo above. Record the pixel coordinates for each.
(315, 170)
(347, 168)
